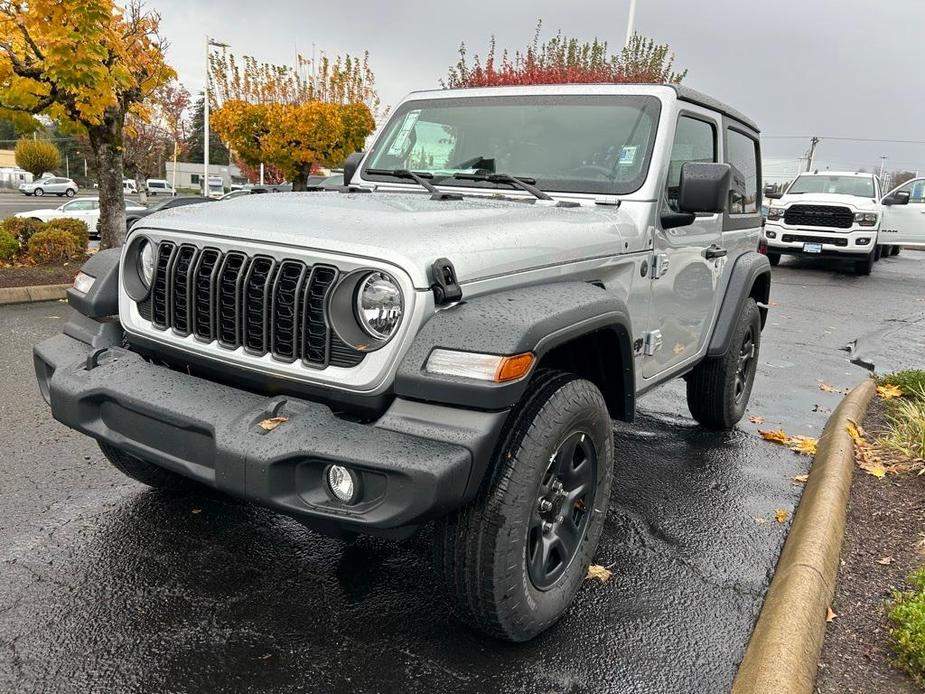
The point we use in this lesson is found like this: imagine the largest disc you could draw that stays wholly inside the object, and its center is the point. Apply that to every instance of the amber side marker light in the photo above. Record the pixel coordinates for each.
(482, 367)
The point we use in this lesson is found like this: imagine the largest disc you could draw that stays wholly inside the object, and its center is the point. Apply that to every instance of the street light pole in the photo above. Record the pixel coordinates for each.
(205, 112)
(630, 23)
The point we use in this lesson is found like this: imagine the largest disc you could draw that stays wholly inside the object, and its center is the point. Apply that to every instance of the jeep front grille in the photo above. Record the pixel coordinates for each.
(256, 302)
(819, 216)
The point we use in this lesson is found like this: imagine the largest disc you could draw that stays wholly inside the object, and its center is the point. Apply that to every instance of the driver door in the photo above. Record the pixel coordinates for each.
(904, 225)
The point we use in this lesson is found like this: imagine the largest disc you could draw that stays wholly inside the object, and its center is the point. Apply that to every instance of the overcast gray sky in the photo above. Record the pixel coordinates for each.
(836, 68)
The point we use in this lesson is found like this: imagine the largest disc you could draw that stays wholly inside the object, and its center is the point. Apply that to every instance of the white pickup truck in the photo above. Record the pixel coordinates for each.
(845, 214)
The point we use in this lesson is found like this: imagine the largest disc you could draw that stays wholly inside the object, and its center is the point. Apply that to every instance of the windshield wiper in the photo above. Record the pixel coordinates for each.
(522, 183)
(418, 177)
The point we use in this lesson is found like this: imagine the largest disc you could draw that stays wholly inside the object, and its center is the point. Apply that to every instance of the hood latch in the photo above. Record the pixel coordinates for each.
(445, 287)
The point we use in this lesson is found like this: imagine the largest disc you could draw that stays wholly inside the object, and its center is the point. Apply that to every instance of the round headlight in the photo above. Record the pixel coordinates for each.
(146, 262)
(379, 305)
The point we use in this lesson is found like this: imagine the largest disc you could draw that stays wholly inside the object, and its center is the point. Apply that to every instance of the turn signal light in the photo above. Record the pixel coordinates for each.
(512, 368)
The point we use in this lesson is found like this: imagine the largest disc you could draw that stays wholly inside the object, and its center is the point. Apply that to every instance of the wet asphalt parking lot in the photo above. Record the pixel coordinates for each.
(106, 586)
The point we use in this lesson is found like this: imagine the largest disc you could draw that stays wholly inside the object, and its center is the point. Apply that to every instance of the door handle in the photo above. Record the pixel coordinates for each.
(714, 251)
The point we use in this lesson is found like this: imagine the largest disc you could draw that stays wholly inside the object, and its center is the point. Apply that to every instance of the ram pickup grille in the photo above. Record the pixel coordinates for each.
(819, 216)
(255, 302)
(791, 238)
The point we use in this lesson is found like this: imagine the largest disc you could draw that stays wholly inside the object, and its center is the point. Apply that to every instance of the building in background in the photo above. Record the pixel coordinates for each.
(12, 176)
(189, 175)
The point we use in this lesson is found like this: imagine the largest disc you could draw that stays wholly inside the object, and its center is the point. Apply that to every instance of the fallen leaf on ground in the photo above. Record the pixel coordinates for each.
(601, 573)
(800, 479)
(830, 614)
(886, 561)
(197, 510)
(855, 432)
(826, 388)
(271, 423)
(756, 419)
(777, 436)
(875, 469)
(804, 445)
(781, 515)
(889, 392)
(759, 520)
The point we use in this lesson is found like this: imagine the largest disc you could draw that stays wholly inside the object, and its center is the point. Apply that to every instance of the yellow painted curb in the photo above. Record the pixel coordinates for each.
(783, 652)
(24, 295)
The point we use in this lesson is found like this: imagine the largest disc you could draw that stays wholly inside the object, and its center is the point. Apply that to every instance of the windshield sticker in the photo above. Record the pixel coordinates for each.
(401, 139)
(627, 156)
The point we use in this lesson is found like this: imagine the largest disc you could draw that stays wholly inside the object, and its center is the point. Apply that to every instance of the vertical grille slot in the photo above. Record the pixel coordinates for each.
(284, 314)
(182, 289)
(316, 335)
(256, 304)
(228, 299)
(161, 290)
(205, 270)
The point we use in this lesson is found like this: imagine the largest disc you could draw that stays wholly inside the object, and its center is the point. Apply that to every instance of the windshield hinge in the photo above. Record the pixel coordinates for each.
(445, 287)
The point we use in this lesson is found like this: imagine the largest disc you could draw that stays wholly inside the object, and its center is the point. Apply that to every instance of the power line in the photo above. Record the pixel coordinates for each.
(843, 139)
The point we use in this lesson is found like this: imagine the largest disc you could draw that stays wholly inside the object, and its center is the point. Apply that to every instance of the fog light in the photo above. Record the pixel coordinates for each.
(862, 242)
(770, 234)
(343, 484)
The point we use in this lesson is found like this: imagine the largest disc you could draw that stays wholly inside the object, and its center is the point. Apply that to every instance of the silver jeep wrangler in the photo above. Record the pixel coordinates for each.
(446, 338)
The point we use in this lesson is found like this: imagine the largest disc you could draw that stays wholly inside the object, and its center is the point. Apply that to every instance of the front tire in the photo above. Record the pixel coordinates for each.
(895, 250)
(514, 558)
(718, 388)
(865, 266)
(145, 472)
(774, 259)
(38, 192)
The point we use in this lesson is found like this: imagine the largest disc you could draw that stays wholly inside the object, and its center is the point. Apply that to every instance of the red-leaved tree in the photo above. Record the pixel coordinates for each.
(566, 60)
(271, 174)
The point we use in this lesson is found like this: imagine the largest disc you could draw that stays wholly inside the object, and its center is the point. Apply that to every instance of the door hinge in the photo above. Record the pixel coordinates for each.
(653, 343)
(660, 265)
(445, 287)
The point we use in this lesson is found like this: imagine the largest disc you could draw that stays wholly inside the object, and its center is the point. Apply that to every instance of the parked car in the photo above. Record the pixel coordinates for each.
(168, 204)
(827, 213)
(158, 186)
(903, 222)
(49, 185)
(129, 186)
(239, 193)
(85, 209)
(449, 348)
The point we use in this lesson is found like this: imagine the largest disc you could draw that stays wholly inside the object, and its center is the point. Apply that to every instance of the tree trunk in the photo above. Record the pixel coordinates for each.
(106, 141)
(300, 180)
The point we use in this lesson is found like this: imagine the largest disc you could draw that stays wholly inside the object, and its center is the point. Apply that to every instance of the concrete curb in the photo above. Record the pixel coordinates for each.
(783, 652)
(25, 295)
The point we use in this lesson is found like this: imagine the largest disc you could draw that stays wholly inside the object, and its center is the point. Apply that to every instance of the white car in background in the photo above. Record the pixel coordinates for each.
(159, 186)
(826, 214)
(49, 185)
(903, 221)
(84, 209)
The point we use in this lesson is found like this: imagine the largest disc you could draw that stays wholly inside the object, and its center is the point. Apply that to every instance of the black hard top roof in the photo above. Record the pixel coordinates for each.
(701, 99)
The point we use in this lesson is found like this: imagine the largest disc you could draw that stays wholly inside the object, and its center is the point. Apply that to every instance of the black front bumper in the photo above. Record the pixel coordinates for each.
(418, 461)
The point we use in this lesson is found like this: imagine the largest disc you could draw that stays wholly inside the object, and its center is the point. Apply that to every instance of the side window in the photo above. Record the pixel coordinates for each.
(916, 190)
(742, 155)
(694, 140)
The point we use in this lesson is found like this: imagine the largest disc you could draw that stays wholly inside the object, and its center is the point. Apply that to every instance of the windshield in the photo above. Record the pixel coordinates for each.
(580, 144)
(861, 186)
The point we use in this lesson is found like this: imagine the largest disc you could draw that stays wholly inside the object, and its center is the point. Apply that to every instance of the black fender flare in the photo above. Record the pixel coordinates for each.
(527, 319)
(750, 278)
(102, 300)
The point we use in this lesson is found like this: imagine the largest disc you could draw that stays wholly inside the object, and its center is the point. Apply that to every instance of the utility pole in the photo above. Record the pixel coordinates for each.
(205, 113)
(812, 153)
(630, 23)
(882, 162)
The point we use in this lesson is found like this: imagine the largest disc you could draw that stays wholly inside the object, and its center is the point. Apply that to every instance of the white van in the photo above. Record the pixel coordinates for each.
(158, 186)
(129, 186)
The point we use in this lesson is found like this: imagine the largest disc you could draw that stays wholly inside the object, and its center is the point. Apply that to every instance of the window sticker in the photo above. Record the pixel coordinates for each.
(401, 139)
(627, 155)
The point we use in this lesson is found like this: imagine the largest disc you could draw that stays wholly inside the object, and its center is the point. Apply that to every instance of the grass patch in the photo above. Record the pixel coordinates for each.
(905, 415)
(911, 382)
(907, 613)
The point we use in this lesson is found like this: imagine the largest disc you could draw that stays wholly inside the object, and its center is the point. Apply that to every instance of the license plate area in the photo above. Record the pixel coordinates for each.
(812, 248)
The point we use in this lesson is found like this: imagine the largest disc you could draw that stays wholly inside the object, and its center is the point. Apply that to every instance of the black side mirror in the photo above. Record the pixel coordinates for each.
(704, 187)
(351, 164)
(899, 198)
(773, 196)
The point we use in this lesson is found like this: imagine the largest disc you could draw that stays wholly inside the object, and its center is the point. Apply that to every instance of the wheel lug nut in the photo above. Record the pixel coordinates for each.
(545, 505)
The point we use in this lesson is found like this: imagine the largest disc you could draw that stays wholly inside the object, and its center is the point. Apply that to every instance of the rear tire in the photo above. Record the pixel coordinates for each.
(513, 559)
(718, 388)
(70, 192)
(865, 266)
(774, 259)
(145, 472)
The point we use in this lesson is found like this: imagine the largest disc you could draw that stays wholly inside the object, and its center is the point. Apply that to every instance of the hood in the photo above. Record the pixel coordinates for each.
(853, 201)
(482, 236)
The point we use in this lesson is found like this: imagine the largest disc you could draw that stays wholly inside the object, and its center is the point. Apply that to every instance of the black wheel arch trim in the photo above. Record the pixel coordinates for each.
(536, 319)
(102, 300)
(750, 278)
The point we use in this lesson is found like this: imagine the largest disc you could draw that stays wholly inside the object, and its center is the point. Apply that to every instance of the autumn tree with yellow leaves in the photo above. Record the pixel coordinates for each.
(294, 118)
(88, 64)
